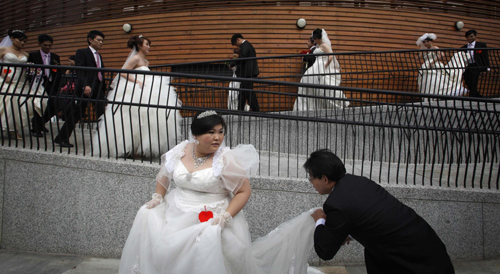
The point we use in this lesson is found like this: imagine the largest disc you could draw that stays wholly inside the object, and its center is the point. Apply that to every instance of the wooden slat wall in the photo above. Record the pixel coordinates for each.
(204, 35)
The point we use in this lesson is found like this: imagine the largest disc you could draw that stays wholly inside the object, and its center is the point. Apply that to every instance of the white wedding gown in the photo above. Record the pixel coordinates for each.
(127, 130)
(16, 111)
(170, 238)
(317, 74)
(438, 79)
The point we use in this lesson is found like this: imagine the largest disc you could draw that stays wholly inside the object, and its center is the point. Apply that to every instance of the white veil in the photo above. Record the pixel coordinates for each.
(6, 42)
(324, 38)
(132, 53)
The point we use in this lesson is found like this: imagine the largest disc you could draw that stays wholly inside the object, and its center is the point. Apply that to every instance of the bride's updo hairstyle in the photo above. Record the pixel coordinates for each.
(19, 34)
(204, 124)
(317, 34)
(136, 41)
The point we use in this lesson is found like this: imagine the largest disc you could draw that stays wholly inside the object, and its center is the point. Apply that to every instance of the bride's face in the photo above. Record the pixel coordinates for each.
(210, 141)
(145, 46)
(427, 43)
(19, 42)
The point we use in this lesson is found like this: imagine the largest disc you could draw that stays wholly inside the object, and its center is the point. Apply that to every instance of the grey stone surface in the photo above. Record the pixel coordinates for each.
(491, 216)
(12, 262)
(96, 266)
(2, 185)
(69, 210)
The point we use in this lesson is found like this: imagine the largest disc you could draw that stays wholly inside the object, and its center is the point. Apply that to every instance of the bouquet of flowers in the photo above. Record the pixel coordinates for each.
(30, 72)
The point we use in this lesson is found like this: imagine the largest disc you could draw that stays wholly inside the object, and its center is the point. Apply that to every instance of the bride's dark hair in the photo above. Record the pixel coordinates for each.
(203, 125)
(19, 34)
(137, 41)
(317, 34)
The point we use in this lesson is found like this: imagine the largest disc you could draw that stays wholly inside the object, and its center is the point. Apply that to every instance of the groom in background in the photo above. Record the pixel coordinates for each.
(246, 69)
(90, 84)
(478, 63)
(396, 239)
(51, 80)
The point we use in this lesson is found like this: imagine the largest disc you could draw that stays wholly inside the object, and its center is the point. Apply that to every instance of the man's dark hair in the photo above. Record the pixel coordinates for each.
(235, 37)
(471, 31)
(93, 33)
(311, 39)
(45, 37)
(205, 124)
(324, 162)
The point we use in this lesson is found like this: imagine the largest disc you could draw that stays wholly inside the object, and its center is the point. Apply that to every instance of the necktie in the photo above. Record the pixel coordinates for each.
(99, 75)
(46, 61)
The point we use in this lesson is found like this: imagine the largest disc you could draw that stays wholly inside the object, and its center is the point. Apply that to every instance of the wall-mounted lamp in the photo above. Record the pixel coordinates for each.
(459, 25)
(127, 28)
(301, 23)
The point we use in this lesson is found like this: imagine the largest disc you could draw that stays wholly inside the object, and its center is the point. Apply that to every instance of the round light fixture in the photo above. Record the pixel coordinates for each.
(301, 23)
(127, 28)
(459, 25)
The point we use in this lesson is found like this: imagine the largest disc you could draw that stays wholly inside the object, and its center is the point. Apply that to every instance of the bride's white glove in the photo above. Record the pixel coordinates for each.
(157, 199)
(222, 220)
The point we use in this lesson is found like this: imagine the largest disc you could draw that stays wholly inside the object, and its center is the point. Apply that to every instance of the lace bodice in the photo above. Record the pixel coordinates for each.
(201, 180)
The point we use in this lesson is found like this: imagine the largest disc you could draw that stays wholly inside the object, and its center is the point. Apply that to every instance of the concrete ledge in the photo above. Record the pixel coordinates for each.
(80, 205)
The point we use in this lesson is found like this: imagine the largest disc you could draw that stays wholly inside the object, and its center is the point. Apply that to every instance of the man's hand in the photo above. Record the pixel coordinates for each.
(87, 91)
(347, 240)
(318, 214)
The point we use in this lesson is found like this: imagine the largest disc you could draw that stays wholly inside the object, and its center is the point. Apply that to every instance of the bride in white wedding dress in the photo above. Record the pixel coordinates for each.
(17, 104)
(126, 129)
(199, 226)
(436, 78)
(325, 71)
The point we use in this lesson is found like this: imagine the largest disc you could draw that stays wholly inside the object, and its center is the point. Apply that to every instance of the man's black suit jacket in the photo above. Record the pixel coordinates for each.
(35, 57)
(391, 232)
(85, 58)
(481, 58)
(247, 68)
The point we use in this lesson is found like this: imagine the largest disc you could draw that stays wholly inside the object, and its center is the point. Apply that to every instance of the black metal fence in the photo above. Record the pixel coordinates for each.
(397, 137)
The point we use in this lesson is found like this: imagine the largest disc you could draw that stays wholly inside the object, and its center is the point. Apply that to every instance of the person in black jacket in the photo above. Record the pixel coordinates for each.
(246, 69)
(395, 238)
(51, 80)
(90, 84)
(477, 64)
(309, 59)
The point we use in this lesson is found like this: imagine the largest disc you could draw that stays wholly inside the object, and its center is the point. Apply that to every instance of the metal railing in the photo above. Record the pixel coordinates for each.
(397, 137)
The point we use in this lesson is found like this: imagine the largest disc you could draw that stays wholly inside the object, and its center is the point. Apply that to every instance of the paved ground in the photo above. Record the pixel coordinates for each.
(12, 262)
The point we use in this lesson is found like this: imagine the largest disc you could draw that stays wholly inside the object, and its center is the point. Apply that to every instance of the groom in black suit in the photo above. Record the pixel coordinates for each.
(89, 84)
(246, 69)
(51, 81)
(396, 239)
(478, 63)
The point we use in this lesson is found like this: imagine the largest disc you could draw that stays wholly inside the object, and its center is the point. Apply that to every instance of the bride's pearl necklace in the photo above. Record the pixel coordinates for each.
(200, 161)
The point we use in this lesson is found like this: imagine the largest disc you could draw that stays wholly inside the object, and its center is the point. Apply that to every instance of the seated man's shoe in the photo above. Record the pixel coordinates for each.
(63, 143)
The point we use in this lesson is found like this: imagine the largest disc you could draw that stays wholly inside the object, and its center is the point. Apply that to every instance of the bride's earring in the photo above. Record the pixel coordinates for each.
(196, 141)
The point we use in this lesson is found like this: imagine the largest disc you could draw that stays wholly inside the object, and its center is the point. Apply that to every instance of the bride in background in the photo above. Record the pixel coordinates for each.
(130, 130)
(436, 78)
(325, 71)
(16, 111)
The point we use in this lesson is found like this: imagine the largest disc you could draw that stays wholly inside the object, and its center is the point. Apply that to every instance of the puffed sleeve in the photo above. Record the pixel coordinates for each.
(239, 164)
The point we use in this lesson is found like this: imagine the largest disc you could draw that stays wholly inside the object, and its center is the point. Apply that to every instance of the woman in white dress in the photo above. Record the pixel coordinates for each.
(16, 111)
(436, 78)
(325, 71)
(131, 130)
(199, 227)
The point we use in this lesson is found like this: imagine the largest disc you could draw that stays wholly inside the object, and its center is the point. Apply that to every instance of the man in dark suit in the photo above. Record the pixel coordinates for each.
(396, 239)
(309, 59)
(246, 69)
(90, 84)
(50, 79)
(477, 64)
